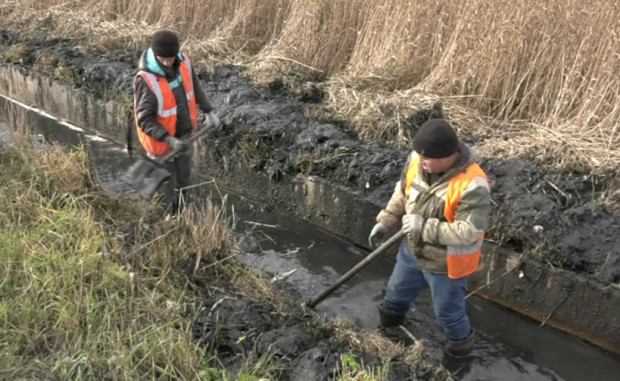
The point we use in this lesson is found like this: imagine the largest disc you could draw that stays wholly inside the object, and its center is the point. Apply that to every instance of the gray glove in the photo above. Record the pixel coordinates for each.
(175, 143)
(212, 120)
(412, 224)
(377, 235)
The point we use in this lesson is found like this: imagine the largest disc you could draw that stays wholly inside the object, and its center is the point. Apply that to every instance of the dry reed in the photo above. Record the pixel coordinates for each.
(542, 75)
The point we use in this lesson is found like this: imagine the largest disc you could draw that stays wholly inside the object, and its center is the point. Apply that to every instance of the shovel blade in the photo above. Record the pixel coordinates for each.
(145, 177)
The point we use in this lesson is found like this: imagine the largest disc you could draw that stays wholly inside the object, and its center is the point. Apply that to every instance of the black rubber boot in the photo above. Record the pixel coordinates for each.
(461, 348)
(390, 319)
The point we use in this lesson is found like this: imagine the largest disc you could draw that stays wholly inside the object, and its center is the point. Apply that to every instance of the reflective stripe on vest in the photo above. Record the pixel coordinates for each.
(412, 172)
(189, 90)
(167, 107)
(462, 260)
(153, 83)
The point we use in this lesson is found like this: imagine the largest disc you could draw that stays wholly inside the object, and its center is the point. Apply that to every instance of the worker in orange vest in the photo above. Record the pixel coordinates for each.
(167, 96)
(442, 202)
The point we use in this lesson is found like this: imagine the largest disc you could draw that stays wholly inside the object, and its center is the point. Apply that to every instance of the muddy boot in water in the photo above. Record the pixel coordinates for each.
(390, 319)
(461, 348)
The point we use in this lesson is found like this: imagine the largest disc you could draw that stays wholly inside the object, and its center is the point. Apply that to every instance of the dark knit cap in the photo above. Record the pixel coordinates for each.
(436, 139)
(165, 43)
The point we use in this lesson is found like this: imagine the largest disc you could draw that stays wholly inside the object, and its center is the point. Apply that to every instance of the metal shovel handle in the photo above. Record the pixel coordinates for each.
(378, 251)
(190, 140)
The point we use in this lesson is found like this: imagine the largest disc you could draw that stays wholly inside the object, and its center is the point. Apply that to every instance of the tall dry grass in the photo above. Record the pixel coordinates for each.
(541, 73)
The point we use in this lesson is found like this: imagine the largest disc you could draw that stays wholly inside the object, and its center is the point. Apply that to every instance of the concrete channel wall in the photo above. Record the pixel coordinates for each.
(554, 297)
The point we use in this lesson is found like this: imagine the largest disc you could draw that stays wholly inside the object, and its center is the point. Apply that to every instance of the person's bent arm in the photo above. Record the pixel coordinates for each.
(471, 218)
(201, 98)
(392, 214)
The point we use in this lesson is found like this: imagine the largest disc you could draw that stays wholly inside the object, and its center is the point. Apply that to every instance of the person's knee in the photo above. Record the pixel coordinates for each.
(448, 299)
(454, 320)
(450, 312)
(182, 183)
(398, 294)
(450, 321)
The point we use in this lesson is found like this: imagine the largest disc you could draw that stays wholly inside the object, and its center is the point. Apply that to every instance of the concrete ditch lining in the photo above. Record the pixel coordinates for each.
(554, 297)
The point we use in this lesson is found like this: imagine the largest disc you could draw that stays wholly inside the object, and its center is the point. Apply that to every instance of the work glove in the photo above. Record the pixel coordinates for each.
(412, 224)
(175, 143)
(212, 120)
(377, 235)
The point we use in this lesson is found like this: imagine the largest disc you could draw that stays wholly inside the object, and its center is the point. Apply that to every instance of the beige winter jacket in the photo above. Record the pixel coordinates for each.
(429, 201)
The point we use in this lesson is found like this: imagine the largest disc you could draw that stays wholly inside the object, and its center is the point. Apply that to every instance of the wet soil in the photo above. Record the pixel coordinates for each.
(553, 215)
(297, 347)
(270, 132)
(247, 335)
(302, 261)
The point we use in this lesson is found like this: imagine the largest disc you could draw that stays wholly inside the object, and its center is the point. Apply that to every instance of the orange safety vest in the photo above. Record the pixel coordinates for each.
(462, 260)
(167, 107)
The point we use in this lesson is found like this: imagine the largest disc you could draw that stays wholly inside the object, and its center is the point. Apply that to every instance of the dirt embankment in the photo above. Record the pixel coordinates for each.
(561, 217)
(555, 216)
(301, 346)
(249, 329)
(244, 326)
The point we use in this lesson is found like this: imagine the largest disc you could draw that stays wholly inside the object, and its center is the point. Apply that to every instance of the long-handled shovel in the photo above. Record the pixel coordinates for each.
(146, 174)
(356, 268)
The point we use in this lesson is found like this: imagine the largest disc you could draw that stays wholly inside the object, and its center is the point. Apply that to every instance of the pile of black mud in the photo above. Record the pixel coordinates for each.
(552, 214)
(298, 346)
(555, 215)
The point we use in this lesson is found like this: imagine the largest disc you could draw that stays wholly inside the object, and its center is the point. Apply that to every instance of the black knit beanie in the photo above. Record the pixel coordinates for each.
(165, 43)
(436, 139)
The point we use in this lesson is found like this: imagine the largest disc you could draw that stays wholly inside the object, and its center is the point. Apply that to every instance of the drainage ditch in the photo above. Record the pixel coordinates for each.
(303, 259)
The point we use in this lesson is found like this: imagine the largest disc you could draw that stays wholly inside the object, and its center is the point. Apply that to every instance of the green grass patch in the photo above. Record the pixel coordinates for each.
(96, 288)
(87, 291)
(352, 369)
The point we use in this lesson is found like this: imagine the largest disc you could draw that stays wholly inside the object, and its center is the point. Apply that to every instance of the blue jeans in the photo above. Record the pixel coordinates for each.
(408, 281)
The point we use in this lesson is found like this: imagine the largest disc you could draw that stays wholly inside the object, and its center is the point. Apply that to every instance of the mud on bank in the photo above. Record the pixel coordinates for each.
(269, 137)
(563, 218)
(173, 308)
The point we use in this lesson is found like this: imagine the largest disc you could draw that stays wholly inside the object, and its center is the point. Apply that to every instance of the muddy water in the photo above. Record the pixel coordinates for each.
(303, 260)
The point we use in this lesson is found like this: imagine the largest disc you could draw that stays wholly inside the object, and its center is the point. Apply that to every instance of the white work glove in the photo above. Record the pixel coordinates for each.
(377, 235)
(175, 143)
(212, 120)
(412, 224)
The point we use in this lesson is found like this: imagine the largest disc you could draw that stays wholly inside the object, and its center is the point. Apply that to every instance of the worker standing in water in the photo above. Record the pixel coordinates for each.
(442, 202)
(167, 96)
